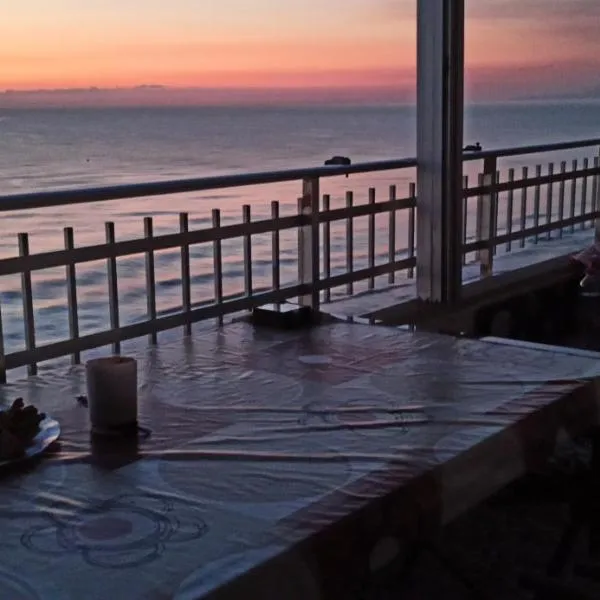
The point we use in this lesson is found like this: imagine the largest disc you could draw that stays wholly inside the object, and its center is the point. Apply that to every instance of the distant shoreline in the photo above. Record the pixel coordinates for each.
(289, 106)
(156, 96)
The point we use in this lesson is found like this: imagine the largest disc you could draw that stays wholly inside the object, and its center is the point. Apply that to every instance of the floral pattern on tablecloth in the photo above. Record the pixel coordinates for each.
(298, 451)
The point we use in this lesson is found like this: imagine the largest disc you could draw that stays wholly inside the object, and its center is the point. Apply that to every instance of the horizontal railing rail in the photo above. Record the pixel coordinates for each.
(59, 258)
(531, 149)
(159, 188)
(201, 184)
(529, 182)
(531, 232)
(333, 252)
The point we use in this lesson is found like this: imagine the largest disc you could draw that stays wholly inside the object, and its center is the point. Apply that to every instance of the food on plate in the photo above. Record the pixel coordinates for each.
(19, 425)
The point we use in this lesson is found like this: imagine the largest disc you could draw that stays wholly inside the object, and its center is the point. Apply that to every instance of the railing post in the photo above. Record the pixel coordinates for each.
(308, 242)
(486, 216)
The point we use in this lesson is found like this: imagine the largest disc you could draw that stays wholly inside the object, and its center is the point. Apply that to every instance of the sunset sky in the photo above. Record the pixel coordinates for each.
(514, 47)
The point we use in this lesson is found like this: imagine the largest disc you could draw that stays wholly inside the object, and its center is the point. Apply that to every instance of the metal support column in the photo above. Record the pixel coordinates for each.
(440, 75)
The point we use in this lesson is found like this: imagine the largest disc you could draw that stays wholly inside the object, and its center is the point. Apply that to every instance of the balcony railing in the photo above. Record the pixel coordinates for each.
(501, 214)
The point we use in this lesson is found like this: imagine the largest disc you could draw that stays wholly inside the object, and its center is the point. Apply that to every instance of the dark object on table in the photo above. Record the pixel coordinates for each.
(128, 430)
(284, 316)
(473, 148)
(19, 425)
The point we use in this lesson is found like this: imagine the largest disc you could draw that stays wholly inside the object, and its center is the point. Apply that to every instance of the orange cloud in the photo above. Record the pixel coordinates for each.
(200, 63)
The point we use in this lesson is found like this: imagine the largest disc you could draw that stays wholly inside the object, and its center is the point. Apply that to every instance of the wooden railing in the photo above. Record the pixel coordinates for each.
(561, 210)
(571, 200)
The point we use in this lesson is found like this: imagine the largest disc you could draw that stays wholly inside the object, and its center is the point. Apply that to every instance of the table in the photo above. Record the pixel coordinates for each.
(280, 464)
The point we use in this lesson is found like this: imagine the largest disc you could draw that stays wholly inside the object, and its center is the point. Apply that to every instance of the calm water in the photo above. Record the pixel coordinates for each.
(50, 149)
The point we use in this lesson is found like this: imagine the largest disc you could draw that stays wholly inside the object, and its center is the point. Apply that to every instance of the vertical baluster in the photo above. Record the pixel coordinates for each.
(2, 354)
(573, 199)
(27, 294)
(584, 189)
(523, 223)
(549, 200)
(412, 192)
(72, 293)
(349, 242)
(275, 259)
(482, 221)
(495, 215)
(465, 216)
(186, 284)
(392, 235)
(594, 198)
(536, 204)
(246, 219)
(327, 246)
(561, 197)
(150, 279)
(509, 209)
(113, 289)
(218, 263)
(371, 239)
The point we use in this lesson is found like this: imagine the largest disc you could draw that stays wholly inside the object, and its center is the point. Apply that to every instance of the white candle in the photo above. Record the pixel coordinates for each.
(112, 392)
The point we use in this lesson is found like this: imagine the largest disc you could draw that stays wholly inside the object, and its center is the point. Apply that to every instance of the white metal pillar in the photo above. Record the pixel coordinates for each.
(440, 103)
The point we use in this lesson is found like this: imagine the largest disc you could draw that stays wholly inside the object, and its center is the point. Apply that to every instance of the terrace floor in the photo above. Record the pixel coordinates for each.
(366, 303)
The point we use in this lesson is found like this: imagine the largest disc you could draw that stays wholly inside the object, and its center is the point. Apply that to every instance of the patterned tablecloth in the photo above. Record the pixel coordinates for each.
(280, 465)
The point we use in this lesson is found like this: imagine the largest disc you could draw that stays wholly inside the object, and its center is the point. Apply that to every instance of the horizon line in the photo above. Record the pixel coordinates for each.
(150, 87)
(153, 95)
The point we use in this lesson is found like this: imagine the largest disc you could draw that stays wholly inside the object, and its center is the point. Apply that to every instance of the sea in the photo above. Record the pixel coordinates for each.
(52, 149)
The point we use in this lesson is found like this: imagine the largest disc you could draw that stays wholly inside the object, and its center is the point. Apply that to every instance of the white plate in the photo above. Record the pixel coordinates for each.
(48, 433)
